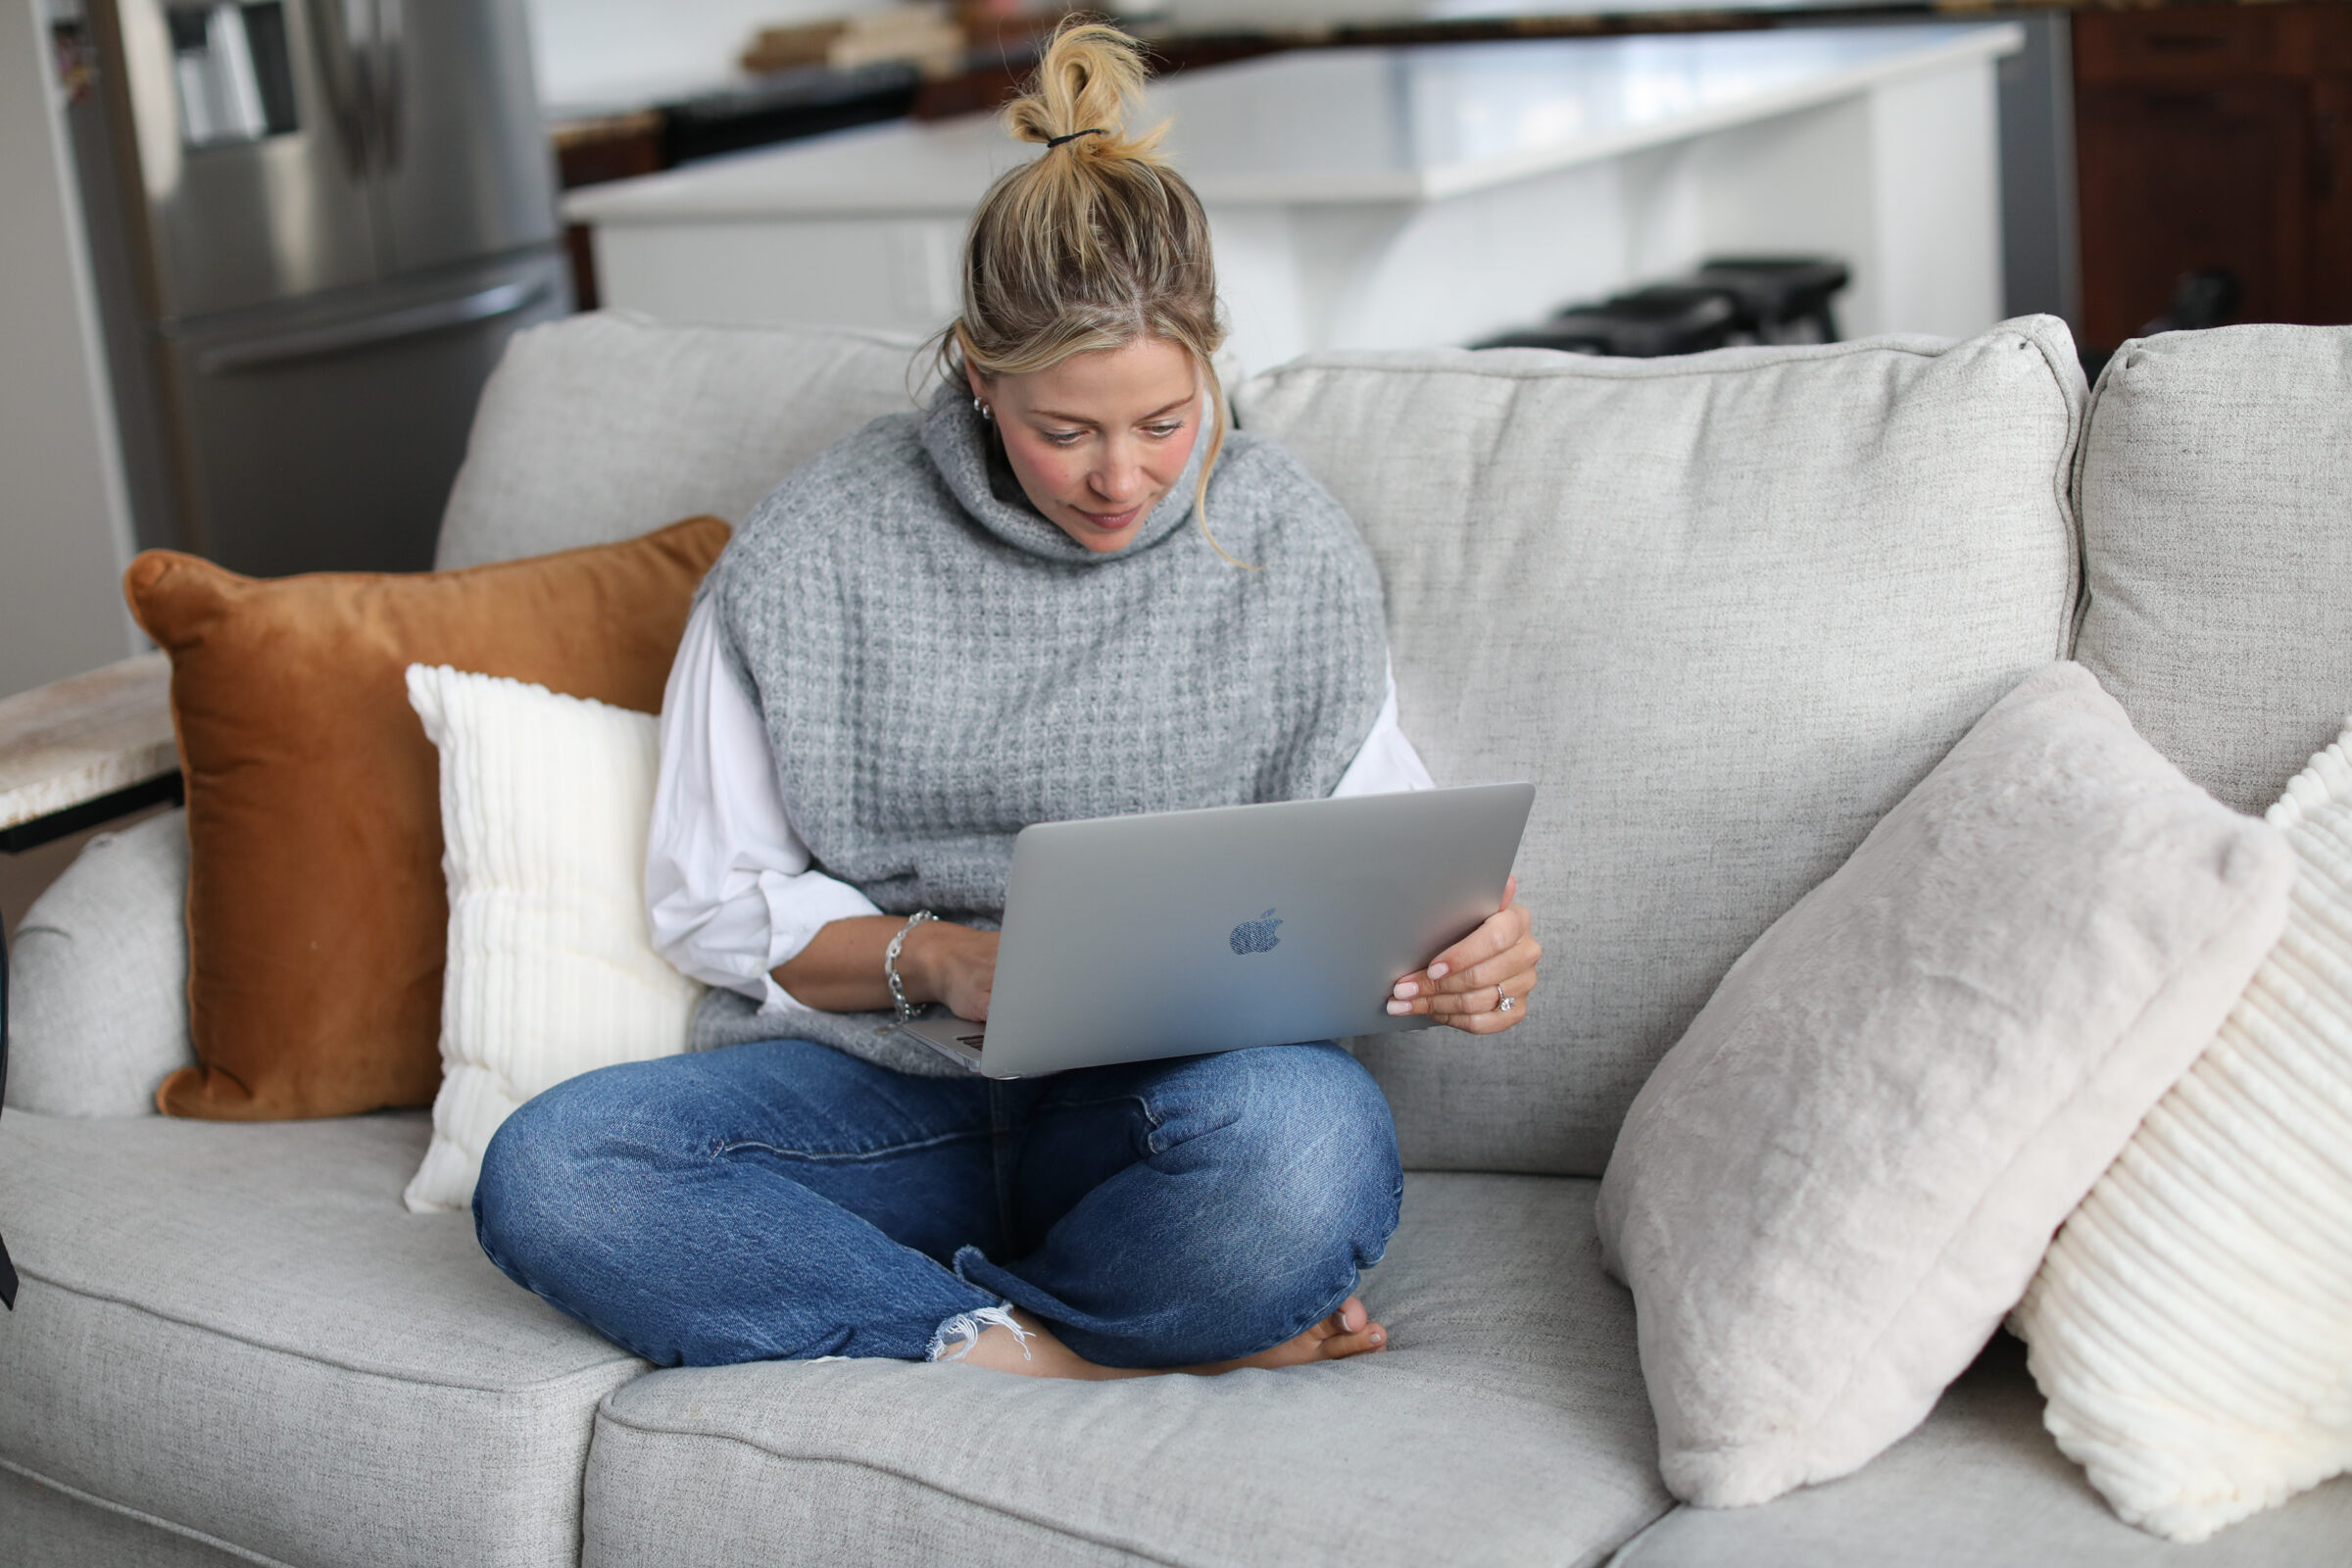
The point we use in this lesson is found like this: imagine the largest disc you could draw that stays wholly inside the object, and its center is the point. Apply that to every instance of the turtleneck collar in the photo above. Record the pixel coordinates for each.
(962, 446)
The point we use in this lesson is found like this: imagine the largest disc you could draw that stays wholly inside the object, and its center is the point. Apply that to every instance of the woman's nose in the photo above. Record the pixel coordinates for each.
(1119, 477)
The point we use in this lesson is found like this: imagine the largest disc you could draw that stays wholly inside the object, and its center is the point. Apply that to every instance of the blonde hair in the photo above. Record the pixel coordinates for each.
(1095, 243)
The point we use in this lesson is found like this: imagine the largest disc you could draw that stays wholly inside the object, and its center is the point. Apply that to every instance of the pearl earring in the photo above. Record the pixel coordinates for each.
(983, 410)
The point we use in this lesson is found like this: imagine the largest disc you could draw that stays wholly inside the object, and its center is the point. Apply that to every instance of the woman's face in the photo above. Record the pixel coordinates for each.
(1100, 438)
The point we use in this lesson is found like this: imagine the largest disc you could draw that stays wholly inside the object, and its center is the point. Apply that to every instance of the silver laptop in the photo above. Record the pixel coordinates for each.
(1128, 938)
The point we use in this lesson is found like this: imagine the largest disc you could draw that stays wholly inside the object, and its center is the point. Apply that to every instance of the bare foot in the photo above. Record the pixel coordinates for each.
(1348, 1332)
(1035, 1353)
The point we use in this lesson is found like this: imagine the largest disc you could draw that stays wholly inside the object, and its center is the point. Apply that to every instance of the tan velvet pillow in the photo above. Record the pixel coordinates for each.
(317, 916)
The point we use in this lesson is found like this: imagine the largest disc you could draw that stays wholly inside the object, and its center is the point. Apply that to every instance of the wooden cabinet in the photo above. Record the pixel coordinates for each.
(2214, 136)
(2331, 176)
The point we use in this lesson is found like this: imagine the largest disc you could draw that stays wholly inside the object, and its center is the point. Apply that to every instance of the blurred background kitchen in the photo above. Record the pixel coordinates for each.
(257, 258)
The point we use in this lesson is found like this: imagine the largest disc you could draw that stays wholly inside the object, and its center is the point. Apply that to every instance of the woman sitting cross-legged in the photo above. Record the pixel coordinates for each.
(1064, 591)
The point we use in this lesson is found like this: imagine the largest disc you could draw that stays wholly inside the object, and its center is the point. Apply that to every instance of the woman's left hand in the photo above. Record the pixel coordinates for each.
(1467, 985)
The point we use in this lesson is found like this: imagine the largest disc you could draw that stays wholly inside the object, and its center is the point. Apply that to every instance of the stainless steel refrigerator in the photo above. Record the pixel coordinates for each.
(314, 224)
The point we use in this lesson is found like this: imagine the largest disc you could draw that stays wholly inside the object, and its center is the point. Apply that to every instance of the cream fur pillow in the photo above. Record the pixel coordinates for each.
(2192, 1324)
(1841, 1177)
(545, 801)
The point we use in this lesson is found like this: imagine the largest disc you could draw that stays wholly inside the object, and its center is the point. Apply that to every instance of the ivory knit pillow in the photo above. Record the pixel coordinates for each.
(545, 801)
(1841, 1177)
(2192, 1323)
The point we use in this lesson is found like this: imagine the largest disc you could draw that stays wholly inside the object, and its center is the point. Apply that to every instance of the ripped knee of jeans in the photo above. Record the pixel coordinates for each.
(959, 1334)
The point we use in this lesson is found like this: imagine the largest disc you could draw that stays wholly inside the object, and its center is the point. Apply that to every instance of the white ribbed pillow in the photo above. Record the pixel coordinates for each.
(552, 971)
(2191, 1325)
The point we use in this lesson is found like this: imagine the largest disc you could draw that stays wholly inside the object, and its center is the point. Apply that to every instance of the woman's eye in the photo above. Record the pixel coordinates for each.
(1064, 439)
(1160, 432)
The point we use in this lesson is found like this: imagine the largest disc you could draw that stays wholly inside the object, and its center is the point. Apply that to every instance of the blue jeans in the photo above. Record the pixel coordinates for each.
(785, 1201)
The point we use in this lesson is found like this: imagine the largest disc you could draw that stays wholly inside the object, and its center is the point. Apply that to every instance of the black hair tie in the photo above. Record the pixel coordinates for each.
(1053, 142)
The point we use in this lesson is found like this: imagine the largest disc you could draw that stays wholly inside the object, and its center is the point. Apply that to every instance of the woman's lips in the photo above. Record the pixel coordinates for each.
(1109, 521)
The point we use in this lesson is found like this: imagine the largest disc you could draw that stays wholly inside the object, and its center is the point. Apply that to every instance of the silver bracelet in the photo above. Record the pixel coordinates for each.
(889, 963)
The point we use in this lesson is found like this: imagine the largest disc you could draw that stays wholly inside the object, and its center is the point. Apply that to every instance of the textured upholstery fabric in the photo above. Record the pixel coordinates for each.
(44, 1527)
(316, 920)
(1980, 1485)
(1847, 1170)
(1724, 611)
(2215, 487)
(2192, 1323)
(238, 1330)
(595, 427)
(1505, 1425)
(552, 969)
(98, 977)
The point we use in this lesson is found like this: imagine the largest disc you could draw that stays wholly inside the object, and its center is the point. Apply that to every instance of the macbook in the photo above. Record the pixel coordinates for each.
(1170, 934)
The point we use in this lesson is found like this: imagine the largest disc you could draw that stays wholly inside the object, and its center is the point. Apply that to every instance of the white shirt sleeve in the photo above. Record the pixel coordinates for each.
(1387, 763)
(727, 881)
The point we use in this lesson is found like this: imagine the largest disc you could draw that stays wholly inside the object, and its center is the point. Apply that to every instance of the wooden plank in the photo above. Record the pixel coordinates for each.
(77, 740)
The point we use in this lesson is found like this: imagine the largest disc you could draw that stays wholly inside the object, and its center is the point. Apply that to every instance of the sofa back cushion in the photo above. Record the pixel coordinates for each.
(1724, 611)
(601, 426)
(2216, 496)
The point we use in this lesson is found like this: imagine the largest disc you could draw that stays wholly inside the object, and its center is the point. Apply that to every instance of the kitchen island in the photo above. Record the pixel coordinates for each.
(1407, 196)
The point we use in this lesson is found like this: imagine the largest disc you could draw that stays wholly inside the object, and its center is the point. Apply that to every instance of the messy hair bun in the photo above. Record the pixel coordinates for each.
(1094, 243)
(1089, 79)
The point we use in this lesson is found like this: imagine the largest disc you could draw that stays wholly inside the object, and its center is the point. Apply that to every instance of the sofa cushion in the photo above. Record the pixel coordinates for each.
(318, 922)
(98, 977)
(238, 1331)
(1724, 611)
(552, 969)
(1506, 1424)
(2192, 1321)
(48, 1527)
(1846, 1172)
(1980, 1485)
(2216, 494)
(598, 427)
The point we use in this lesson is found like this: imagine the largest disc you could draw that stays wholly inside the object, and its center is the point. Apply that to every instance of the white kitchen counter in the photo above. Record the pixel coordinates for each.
(1405, 196)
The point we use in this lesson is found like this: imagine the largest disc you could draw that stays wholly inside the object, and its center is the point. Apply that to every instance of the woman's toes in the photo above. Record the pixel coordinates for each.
(1366, 1337)
(1348, 1332)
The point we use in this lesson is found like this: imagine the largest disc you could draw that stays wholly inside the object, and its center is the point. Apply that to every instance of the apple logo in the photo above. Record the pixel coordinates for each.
(1255, 936)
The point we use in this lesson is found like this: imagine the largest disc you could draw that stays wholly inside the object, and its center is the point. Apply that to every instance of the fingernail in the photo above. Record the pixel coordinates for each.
(1438, 972)
(1377, 1337)
(1398, 1008)
(1405, 988)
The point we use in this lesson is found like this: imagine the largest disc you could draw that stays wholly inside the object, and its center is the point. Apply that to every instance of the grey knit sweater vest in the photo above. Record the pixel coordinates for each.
(939, 665)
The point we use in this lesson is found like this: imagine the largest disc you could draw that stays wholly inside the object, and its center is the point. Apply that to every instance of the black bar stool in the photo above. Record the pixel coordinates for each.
(1781, 299)
(1645, 324)
(1730, 299)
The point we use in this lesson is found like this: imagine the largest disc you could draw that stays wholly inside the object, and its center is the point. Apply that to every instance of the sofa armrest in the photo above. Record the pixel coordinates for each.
(98, 978)
(83, 751)
(75, 753)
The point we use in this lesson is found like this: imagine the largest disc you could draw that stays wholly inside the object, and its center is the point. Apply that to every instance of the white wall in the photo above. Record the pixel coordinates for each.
(64, 531)
(595, 53)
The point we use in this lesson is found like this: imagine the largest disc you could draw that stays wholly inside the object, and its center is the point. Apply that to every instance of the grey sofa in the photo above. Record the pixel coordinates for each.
(1725, 610)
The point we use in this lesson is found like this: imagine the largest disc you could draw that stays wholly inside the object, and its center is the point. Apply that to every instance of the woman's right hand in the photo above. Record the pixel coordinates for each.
(840, 970)
(949, 963)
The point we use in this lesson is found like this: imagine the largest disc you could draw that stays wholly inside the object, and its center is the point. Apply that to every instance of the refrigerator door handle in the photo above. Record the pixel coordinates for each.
(391, 61)
(339, 28)
(412, 321)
